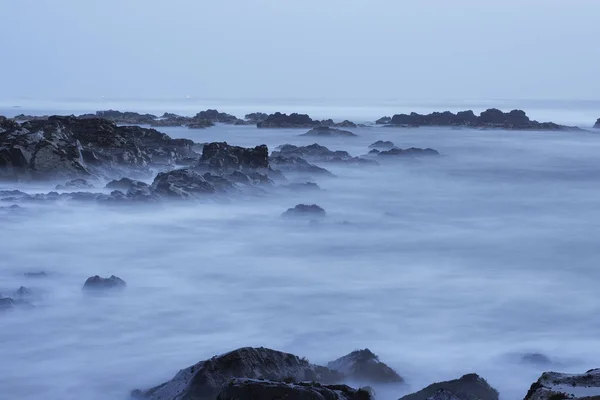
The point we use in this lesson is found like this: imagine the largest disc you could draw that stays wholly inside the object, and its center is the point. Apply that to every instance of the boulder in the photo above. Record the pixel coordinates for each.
(468, 387)
(7, 124)
(597, 124)
(364, 366)
(410, 152)
(384, 121)
(325, 131)
(75, 184)
(199, 123)
(382, 145)
(294, 120)
(557, 386)
(98, 283)
(345, 124)
(170, 119)
(253, 389)
(204, 380)
(304, 210)
(223, 157)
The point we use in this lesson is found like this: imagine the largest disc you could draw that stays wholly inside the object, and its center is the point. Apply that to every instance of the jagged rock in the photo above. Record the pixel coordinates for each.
(345, 124)
(199, 123)
(252, 389)
(318, 153)
(468, 387)
(304, 210)
(23, 117)
(381, 145)
(170, 119)
(204, 380)
(182, 183)
(443, 394)
(597, 124)
(40, 274)
(364, 366)
(410, 152)
(294, 120)
(296, 165)
(75, 184)
(535, 358)
(223, 157)
(8, 124)
(256, 117)
(325, 131)
(119, 117)
(557, 386)
(98, 283)
(125, 184)
(384, 121)
(215, 116)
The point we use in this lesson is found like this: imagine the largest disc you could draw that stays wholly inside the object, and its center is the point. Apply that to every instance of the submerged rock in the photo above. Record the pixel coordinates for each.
(325, 131)
(75, 184)
(247, 389)
(304, 210)
(363, 365)
(468, 387)
(98, 283)
(557, 386)
(40, 274)
(381, 145)
(204, 380)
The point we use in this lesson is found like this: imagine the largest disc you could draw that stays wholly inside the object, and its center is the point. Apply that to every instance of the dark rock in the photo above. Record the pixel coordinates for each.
(204, 380)
(223, 157)
(318, 153)
(75, 184)
(468, 387)
(597, 124)
(410, 152)
(304, 210)
(99, 283)
(40, 274)
(381, 145)
(216, 116)
(182, 183)
(535, 358)
(443, 394)
(296, 165)
(294, 120)
(246, 389)
(125, 184)
(364, 366)
(556, 386)
(7, 303)
(256, 117)
(374, 152)
(325, 131)
(200, 123)
(345, 124)
(384, 121)
(306, 186)
(170, 119)
(119, 117)
(8, 124)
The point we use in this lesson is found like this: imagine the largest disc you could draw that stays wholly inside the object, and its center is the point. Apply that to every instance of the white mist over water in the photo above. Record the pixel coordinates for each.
(448, 265)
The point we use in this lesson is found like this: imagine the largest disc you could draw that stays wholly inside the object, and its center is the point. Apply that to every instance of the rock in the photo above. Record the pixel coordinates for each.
(535, 358)
(597, 124)
(199, 123)
(182, 183)
(490, 118)
(303, 210)
(443, 394)
(125, 184)
(98, 283)
(215, 116)
(468, 387)
(556, 386)
(318, 153)
(75, 184)
(253, 389)
(364, 366)
(381, 145)
(345, 124)
(306, 186)
(294, 120)
(119, 117)
(204, 380)
(8, 124)
(325, 131)
(223, 157)
(256, 117)
(296, 165)
(40, 274)
(410, 152)
(384, 121)
(23, 293)
(7, 303)
(170, 119)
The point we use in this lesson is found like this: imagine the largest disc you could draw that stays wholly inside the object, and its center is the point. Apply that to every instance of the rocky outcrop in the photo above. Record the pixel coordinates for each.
(118, 117)
(325, 131)
(199, 123)
(7, 124)
(384, 121)
(253, 389)
(205, 380)
(304, 210)
(329, 123)
(75, 184)
(557, 386)
(468, 387)
(490, 118)
(183, 184)
(294, 120)
(597, 124)
(7, 303)
(318, 153)
(215, 116)
(296, 165)
(169, 119)
(381, 145)
(410, 152)
(223, 157)
(124, 184)
(98, 283)
(443, 394)
(364, 366)
(256, 117)
(303, 187)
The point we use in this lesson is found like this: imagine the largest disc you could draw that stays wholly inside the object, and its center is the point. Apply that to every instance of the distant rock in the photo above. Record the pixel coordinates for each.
(306, 186)
(535, 359)
(443, 394)
(468, 387)
(381, 145)
(557, 386)
(7, 124)
(170, 119)
(304, 210)
(253, 389)
(384, 121)
(124, 184)
(40, 274)
(98, 283)
(294, 120)
(204, 380)
(256, 117)
(410, 152)
(364, 366)
(317, 153)
(325, 131)
(199, 123)
(23, 293)
(296, 165)
(23, 117)
(345, 124)
(597, 124)
(75, 184)
(7, 303)
(215, 116)
(118, 117)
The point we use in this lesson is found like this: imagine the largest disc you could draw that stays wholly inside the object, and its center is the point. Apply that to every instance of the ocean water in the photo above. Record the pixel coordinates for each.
(442, 267)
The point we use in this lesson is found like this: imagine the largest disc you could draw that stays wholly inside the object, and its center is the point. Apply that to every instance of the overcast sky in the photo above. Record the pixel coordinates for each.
(386, 49)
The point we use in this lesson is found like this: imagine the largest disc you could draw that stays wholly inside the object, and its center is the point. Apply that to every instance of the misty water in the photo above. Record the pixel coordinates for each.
(441, 266)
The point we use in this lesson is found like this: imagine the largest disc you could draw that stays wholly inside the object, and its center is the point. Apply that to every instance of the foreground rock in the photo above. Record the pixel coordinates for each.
(597, 124)
(247, 389)
(318, 153)
(468, 387)
(325, 131)
(490, 118)
(557, 386)
(381, 145)
(204, 380)
(364, 366)
(98, 283)
(304, 210)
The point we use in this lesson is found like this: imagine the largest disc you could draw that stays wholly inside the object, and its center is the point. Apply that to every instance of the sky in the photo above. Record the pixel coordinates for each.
(319, 49)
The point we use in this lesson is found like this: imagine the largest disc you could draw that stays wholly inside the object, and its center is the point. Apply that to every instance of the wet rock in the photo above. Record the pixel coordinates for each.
(345, 124)
(199, 123)
(304, 210)
(170, 119)
(204, 380)
(7, 124)
(75, 184)
(384, 121)
(256, 117)
(382, 145)
(39, 274)
(597, 124)
(556, 386)
(317, 153)
(223, 157)
(468, 387)
(252, 389)
(325, 131)
(410, 152)
(182, 184)
(294, 120)
(535, 359)
(364, 366)
(98, 283)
